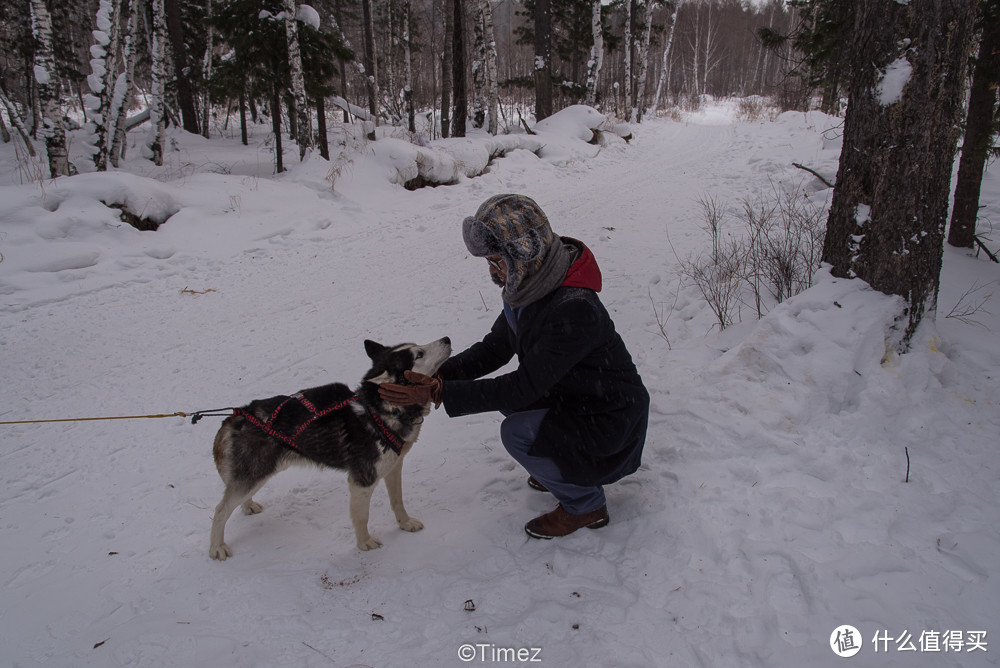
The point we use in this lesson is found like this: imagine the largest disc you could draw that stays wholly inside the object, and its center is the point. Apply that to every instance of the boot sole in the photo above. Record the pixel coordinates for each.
(597, 524)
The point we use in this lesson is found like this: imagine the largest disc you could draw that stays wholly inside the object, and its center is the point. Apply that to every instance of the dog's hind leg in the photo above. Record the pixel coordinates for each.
(231, 499)
(361, 498)
(394, 485)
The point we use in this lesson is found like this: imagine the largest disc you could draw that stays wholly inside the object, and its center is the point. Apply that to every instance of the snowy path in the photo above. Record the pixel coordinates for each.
(769, 508)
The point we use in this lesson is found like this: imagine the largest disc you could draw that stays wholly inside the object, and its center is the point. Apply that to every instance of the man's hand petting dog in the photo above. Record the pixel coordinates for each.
(423, 390)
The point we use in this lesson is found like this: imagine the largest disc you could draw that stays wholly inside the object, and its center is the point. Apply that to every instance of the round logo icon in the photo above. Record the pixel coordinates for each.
(845, 641)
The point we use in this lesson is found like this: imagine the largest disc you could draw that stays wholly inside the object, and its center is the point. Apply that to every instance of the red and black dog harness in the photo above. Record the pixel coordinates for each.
(290, 416)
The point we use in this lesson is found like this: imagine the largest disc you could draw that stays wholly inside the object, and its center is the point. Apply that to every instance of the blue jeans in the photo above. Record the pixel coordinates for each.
(518, 432)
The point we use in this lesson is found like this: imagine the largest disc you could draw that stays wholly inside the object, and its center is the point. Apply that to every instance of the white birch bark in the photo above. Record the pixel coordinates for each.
(478, 69)
(492, 76)
(643, 57)
(17, 122)
(124, 84)
(159, 69)
(665, 67)
(596, 54)
(408, 69)
(628, 55)
(103, 68)
(48, 90)
(303, 122)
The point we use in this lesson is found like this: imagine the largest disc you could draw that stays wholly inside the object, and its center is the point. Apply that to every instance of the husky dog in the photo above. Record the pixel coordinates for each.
(327, 426)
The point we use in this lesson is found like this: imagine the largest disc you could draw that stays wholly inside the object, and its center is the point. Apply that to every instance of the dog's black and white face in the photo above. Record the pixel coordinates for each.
(388, 364)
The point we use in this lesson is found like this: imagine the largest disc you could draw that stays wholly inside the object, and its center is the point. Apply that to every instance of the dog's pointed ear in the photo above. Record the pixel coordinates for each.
(373, 348)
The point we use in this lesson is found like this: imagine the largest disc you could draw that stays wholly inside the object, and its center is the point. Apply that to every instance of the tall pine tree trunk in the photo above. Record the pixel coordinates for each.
(324, 145)
(446, 67)
(48, 90)
(458, 71)
(543, 59)
(279, 164)
(185, 96)
(890, 206)
(596, 61)
(206, 71)
(980, 126)
(303, 124)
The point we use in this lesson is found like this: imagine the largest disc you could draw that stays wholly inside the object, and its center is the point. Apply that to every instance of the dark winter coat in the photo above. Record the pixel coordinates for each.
(571, 361)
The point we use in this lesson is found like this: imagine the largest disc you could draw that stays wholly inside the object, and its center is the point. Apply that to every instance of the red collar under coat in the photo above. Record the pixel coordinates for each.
(584, 273)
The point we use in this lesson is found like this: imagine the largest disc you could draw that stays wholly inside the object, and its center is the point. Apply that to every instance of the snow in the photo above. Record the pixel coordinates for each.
(306, 14)
(889, 89)
(771, 509)
(41, 75)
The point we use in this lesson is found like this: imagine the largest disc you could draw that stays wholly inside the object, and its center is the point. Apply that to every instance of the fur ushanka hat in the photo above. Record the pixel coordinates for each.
(514, 227)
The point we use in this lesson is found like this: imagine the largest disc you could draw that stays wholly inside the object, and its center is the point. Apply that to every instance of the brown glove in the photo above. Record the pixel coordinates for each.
(423, 390)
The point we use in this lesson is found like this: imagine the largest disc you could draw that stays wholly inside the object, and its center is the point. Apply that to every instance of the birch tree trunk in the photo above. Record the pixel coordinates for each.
(408, 72)
(17, 122)
(157, 103)
(206, 71)
(665, 67)
(647, 29)
(492, 76)
(596, 54)
(303, 122)
(890, 206)
(479, 69)
(48, 90)
(628, 55)
(123, 85)
(371, 66)
(103, 67)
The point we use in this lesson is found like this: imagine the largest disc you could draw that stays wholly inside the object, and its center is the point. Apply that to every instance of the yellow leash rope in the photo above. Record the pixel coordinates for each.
(88, 419)
(195, 417)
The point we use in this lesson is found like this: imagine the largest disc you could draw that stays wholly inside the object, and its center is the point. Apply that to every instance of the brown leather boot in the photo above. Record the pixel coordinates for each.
(560, 522)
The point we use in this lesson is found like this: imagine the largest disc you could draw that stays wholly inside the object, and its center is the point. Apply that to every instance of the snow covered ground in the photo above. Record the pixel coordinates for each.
(770, 511)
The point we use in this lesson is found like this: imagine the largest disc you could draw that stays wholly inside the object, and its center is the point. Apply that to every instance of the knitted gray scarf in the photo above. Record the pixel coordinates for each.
(559, 257)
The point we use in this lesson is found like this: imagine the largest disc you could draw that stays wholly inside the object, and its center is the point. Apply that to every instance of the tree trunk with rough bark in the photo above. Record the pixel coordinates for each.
(303, 123)
(543, 59)
(48, 90)
(980, 127)
(446, 66)
(371, 71)
(157, 106)
(458, 71)
(890, 206)
(596, 61)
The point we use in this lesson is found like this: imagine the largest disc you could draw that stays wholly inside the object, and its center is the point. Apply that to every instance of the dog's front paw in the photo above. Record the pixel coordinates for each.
(370, 543)
(220, 552)
(411, 524)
